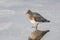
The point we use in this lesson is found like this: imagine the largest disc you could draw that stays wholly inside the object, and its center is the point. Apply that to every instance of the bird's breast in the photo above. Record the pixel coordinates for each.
(30, 17)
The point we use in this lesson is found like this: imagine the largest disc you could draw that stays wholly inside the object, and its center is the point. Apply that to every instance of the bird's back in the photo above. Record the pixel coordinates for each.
(37, 17)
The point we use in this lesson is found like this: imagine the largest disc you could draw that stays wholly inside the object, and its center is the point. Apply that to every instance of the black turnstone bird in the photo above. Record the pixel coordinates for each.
(35, 18)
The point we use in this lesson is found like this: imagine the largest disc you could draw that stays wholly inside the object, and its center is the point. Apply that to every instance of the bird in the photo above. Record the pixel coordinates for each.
(35, 18)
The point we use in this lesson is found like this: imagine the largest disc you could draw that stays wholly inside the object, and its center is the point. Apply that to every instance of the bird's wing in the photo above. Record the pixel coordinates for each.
(36, 14)
(39, 18)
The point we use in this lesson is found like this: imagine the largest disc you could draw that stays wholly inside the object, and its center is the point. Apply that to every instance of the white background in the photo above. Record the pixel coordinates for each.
(15, 26)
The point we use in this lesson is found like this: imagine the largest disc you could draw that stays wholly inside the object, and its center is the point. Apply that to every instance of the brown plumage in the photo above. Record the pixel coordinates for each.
(35, 17)
(37, 34)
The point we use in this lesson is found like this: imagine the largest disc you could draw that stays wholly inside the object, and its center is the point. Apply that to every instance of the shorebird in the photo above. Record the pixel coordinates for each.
(35, 18)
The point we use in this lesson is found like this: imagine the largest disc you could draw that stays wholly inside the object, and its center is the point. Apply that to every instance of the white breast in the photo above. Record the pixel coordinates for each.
(32, 21)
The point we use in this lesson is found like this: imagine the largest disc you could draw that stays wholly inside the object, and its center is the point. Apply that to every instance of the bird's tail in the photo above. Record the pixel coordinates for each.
(45, 20)
(48, 21)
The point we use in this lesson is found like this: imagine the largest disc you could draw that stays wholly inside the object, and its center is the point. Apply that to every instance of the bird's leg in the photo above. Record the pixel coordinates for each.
(33, 26)
(36, 27)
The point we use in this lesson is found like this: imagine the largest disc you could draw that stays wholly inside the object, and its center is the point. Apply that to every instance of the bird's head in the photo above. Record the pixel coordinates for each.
(29, 12)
